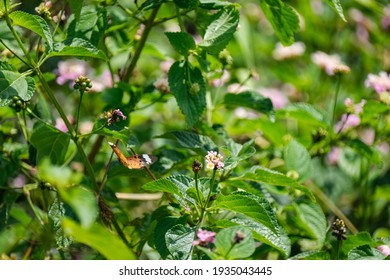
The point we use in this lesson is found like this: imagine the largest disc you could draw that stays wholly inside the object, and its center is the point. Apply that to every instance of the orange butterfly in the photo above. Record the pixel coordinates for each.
(133, 162)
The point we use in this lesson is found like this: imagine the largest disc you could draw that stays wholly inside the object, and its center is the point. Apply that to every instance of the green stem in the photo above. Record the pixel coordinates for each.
(338, 82)
(179, 19)
(207, 199)
(141, 44)
(78, 114)
(197, 189)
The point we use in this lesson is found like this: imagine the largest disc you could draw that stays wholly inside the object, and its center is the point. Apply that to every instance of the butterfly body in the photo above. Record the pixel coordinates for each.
(133, 162)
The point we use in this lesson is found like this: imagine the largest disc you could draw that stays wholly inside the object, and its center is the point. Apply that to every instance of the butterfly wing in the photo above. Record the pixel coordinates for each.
(133, 162)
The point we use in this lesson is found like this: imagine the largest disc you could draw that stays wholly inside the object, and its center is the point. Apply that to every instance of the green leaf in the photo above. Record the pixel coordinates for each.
(312, 255)
(57, 213)
(34, 23)
(13, 84)
(213, 4)
(350, 162)
(125, 135)
(279, 241)
(11, 236)
(90, 25)
(99, 238)
(235, 153)
(191, 140)
(183, 183)
(179, 240)
(365, 150)
(83, 202)
(221, 30)
(50, 143)
(75, 7)
(6, 202)
(298, 159)
(358, 240)
(162, 227)
(229, 247)
(182, 42)
(336, 6)
(189, 88)
(255, 207)
(283, 19)
(365, 252)
(268, 176)
(162, 185)
(311, 218)
(58, 176)
(150, 4)
(186, 4)
(304, 113)
(76, 47)
(249, 99)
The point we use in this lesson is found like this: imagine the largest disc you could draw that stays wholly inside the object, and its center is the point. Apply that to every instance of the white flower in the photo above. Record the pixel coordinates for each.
(281, 52)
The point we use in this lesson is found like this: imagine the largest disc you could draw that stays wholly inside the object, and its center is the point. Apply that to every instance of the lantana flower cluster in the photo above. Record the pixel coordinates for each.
(331, 64)
(381, 84)
(214, 160)
(205, 238)
(351, 118)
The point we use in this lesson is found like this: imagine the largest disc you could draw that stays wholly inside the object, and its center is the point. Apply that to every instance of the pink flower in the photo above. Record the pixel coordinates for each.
(278, 98)
(214, 160)
(386, 18)
(353, 108)
(347, 122)
(60, 124)
(104, 81)
(205, 238)
(114, 116)
(282, 53)
(380, 83)
(70, 70)
(385, 249)
(334, 155)
(331, 64)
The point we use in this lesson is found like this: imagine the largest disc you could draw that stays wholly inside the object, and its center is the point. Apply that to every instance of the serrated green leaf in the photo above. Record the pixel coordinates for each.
(365, 150)
(213, 4)
(191, 140)
(34, 23)
(283, 19)
(13, 84)
(183, 183)
(50, 143)
(99, 238)
(350, 161)
(279, 241)
(235, 153)
(221, 30)
(186, 4)
(56, 213)
(162, 228)
(312, 255)
(10, 236)
(162, 185)
(249, 99)
(83, 202)
(297, 159)
(336, 6)
(182, 42)
(229, 247)
(189, 88)
(268, 176)
(179, 240)
(76, 47)
(365, 252)
(255, 207)
(312, 220)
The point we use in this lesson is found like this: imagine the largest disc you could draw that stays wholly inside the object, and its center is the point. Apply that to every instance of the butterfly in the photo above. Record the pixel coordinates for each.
(133, 162)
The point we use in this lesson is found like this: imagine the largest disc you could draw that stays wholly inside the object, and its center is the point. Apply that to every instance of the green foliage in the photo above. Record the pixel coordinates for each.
(257, 148)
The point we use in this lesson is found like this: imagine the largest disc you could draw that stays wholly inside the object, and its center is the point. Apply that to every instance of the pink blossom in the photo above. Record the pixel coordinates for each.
(385, 249)
(334, 155)
(104, 81)
(331, 64)
(224, 78)
(243, 113)
(380, 83)
(205, 238)
(282, 53)
(353, 108)
(70, 70)
(214, 160)
(347, 122)
(19, 181)
(386, 18)
(278, 98)
(60, 124)
(367, 135)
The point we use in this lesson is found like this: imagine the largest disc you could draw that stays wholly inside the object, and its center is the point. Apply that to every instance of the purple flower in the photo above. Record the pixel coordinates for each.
(334, 155)
(214, 160)
(114, 116)
(278, 98)
(205, 238)
(60, 124)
